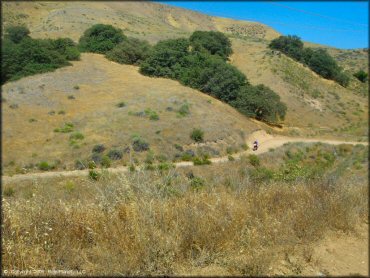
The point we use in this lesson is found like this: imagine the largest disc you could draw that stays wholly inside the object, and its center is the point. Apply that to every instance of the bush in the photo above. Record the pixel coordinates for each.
(115, 154)
(165, 166)
(361, 75)
(68, 127)
(131, 51)
(197, 135)
(99, 148)
(215, 43)
(318, 60)
(184, 110)
(197, 183)
(44, 166)
(76, 136)
(139, 144)
(292, 46)
(211, 75)
(96, 157)
(94, 175)
(106, 162)
(30, 56)
(121, 104)
(254, 160)
(152, 114)
(16, 33)
(261, 103)
(101, 38)
(201, 160)
(165, 59)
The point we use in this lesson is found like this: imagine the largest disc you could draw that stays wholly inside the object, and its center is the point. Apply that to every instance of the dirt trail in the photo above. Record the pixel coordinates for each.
(266, 142)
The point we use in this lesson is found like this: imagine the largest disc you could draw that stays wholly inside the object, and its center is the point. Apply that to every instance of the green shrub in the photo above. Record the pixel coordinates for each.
(197, 183)
(115, 154)
(76, 136)
(71, 97)
(16, 33)
(68, 127)
(165, 166)
(197, 135)
(131, 51)
(99, 148)
(152, 115)
(121, 104)
(105, 161)
(215, 43)
(318, 60)
(101, 38)
(44, 166)
(76, 87)
(184, 110)
(361, 75)
(91, 165)
(261, 103)
(254, 160)
(201, 160)
(28, 57)
(94, 175)
(230, 158)
(165, 59)
(139, 144)
(96, 157)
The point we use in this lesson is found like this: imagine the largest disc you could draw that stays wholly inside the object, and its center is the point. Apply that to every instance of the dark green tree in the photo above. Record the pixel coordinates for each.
(260, 102)
(215, 43)
(166, 58)
(101, 38)
(131, 51)
(16, 33)
(289, 45)
(211, 75)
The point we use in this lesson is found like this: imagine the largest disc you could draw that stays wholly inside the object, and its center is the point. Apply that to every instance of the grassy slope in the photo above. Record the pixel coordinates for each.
(102, 85)
(221, 222)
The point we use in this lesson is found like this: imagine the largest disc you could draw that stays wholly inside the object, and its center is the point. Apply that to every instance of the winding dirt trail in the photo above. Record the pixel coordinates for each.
(266, 142)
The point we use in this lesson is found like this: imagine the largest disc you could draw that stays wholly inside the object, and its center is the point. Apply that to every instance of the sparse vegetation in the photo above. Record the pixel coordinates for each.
(68, 127)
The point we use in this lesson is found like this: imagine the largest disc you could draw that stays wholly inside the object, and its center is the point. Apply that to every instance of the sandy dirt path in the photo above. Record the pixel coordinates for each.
(266, 142)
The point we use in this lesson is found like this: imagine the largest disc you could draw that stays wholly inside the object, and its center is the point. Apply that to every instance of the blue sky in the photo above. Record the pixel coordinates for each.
(337, 24)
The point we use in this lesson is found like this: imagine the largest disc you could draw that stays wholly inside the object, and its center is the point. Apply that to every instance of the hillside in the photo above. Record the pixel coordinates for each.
(87, 94)
(121, 169)
(316, 107)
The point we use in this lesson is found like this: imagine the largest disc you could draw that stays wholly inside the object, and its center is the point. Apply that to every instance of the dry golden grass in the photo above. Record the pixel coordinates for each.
(94, 112)
(152, 223)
